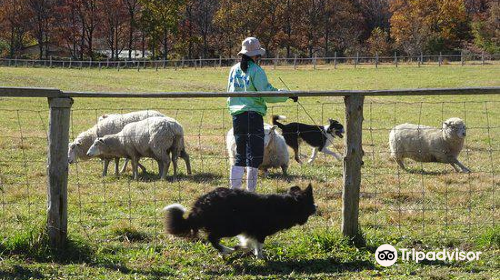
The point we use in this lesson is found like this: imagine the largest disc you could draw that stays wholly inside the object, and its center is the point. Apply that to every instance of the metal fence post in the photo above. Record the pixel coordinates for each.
(220, 61)
(440, 59)
(352, 164)
(295, 62)
(421, 58)
(396, 58)
(462, 58)
(356, 61)
(482, 58)
(50, 63)
(376, 60)
(335, 61)
(314, 62)
(57, 171)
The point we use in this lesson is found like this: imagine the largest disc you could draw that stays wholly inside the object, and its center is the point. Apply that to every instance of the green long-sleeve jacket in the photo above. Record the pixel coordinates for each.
(254, 79)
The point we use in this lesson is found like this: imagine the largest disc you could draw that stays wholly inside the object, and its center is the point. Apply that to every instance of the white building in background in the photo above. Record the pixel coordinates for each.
(136, 54)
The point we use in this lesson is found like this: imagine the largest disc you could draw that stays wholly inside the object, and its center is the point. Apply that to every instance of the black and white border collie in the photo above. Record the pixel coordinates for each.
(319, 137)
(252, 217)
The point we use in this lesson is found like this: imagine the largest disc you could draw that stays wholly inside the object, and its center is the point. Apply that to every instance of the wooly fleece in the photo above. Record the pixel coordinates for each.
(275, 149)
(154, 137)
(429, 144)
(107, 124)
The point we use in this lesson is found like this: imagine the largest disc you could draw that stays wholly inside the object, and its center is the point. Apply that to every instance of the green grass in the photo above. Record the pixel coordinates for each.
(115, 223)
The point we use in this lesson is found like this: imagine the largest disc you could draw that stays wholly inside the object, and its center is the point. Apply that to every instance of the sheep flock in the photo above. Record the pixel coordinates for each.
(151, 134)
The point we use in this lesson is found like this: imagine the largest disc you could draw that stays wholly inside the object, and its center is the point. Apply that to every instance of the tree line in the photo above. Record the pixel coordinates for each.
(172, 29)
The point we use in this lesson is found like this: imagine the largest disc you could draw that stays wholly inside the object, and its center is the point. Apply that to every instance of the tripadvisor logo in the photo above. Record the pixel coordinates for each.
(387, 255)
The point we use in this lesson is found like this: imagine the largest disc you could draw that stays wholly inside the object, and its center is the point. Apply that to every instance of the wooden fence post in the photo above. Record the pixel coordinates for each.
(57, 171)
(462, 58)
(295, 62)
(50, 63)
(335, 61)
(396, 59)
(440, 59)
(482, 58)
(352, 164)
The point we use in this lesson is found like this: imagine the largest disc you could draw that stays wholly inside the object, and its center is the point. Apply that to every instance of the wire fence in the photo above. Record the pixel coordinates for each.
(290, 62)
(430, 200)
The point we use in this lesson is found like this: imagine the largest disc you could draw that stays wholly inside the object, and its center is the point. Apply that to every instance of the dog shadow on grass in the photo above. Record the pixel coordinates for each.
(309, 266)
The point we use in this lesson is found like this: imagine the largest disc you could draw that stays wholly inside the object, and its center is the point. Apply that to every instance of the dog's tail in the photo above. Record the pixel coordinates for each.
(175, 223)
(275, 118)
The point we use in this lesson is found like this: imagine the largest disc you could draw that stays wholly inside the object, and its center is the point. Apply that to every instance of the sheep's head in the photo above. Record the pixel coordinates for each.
(98, 148)
(75, 151)
(454, 128)
(269, 134)
(102, 118)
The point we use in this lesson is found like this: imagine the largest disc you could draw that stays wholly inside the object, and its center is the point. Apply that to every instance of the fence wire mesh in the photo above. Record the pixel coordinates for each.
(430, 200)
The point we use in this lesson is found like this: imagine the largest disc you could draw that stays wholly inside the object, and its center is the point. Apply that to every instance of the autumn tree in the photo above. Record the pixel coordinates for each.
(68, 27)
(428, 25)
(114, 26)
(132, 8)
(343, 27)
(161, 17)
(378, 43)
(13, 24)
(41, 19)
(487, 32)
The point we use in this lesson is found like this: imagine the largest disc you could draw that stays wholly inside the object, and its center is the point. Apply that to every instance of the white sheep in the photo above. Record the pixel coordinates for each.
(275, 149)
(107, 124)
(429, 144)
(154, 137)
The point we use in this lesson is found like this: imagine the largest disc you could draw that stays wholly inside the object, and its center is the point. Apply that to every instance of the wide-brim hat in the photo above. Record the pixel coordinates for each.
(251, 47)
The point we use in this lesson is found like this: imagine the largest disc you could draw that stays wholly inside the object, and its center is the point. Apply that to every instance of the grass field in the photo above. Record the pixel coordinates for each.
(115, 224)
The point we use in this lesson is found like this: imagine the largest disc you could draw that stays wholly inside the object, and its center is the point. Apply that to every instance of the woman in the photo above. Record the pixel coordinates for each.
(248, 112)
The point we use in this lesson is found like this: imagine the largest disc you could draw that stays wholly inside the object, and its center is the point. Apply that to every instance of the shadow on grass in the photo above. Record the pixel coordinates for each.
(196, 177)
(34, 244)
(291, 177)
(311, 266)
(423, 172)
(132, 271)
(21, 273)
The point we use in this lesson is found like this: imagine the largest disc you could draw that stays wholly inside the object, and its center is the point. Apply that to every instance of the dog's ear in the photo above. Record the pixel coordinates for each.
(294, 190)
(309, 190)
